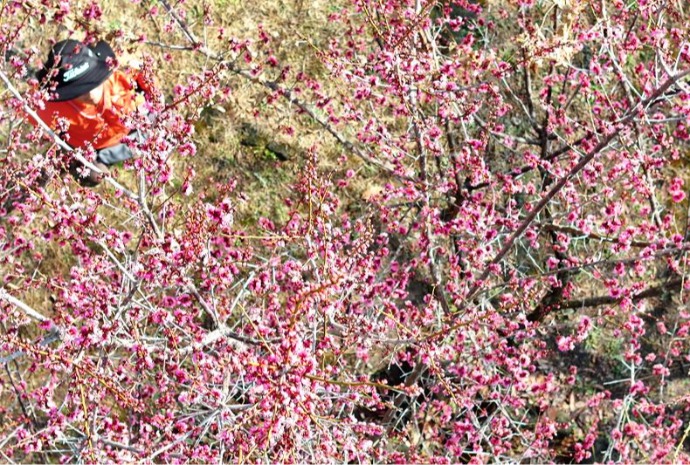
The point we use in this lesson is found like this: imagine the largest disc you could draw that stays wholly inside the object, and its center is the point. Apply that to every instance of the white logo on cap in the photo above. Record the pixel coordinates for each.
(75, 72)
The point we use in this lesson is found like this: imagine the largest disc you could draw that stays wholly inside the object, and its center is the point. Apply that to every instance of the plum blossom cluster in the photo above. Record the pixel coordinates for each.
(508, 285)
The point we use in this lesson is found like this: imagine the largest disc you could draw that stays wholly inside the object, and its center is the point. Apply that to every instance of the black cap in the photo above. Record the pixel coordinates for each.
(80, 68)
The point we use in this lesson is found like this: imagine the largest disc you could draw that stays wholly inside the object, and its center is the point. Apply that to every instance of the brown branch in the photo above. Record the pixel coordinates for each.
(673, 285)
(593, 236)
(614, 262)
(555, 294)
(528, 91)
(527, 168)
(439, 294)
(553, 298)
(622, 123)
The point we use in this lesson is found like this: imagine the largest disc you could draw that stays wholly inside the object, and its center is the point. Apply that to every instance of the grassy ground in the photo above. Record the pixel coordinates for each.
(242, 138)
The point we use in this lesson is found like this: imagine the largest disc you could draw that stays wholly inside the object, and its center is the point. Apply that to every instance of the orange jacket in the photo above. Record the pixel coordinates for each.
(101, 125)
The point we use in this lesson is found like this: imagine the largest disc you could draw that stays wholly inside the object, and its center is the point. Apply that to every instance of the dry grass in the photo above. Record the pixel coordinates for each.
(298, 30)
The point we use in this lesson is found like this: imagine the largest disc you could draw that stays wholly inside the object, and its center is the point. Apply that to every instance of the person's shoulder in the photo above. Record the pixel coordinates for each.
(51, 112)
(119, 76)
(51, 106)
(119, 81)
(129, 75)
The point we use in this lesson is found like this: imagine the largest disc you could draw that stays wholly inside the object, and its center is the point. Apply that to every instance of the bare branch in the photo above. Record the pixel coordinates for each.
(30, 312)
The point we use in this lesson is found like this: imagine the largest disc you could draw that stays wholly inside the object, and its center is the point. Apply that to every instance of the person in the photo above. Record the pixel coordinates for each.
(89, 102)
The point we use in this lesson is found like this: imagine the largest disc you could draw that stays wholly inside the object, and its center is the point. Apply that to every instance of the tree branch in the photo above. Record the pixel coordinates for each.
(673, 285)
(629, 117)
